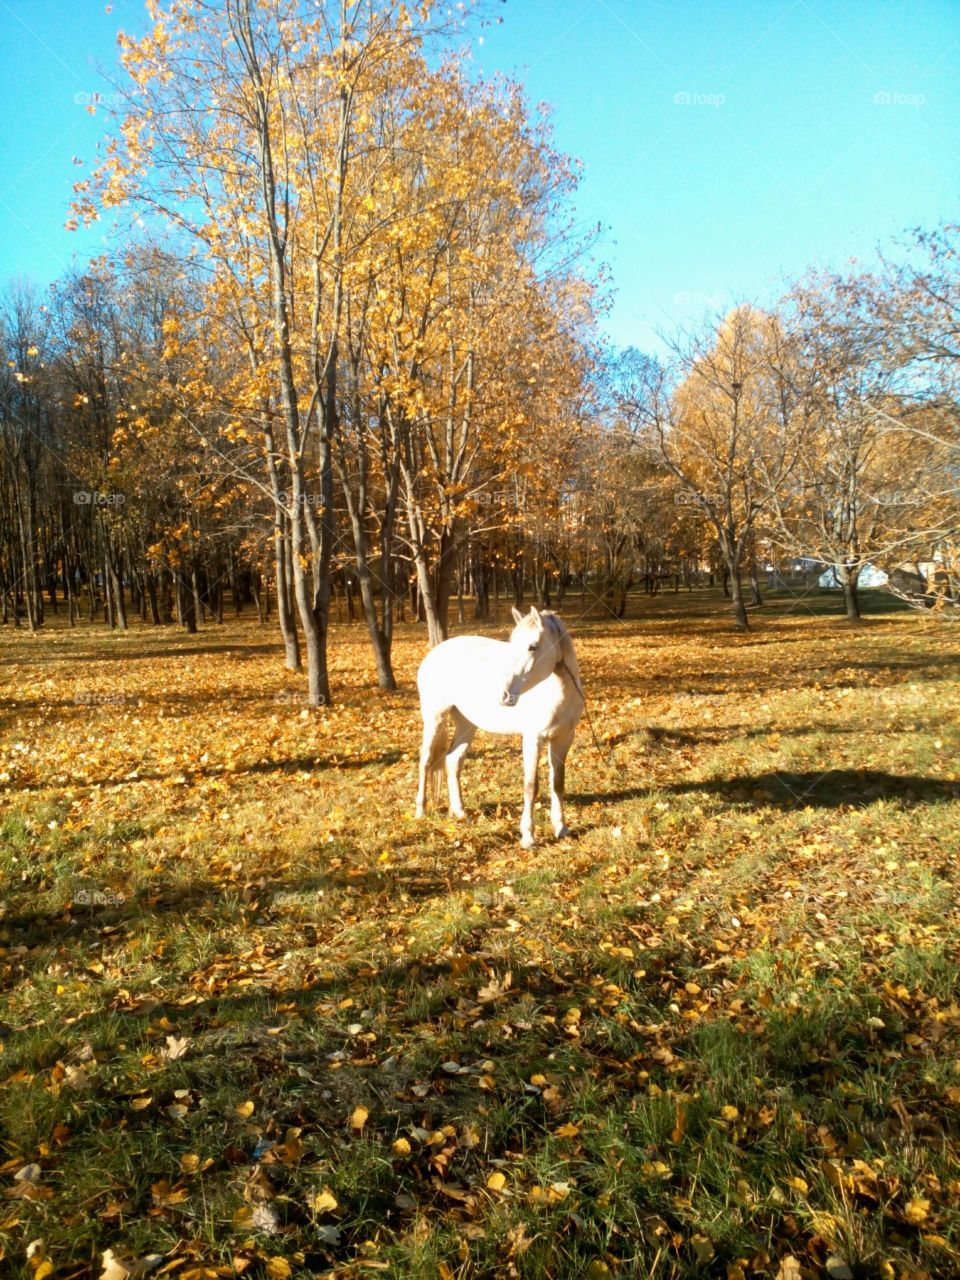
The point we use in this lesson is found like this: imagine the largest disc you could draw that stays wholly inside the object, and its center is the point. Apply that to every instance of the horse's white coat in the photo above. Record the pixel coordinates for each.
(529, 685)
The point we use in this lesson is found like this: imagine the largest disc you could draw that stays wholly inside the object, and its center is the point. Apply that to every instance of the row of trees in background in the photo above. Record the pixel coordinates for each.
(827, 429)
(358, 369)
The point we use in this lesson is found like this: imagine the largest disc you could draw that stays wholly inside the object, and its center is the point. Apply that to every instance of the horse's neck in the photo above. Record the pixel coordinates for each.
(568, 657)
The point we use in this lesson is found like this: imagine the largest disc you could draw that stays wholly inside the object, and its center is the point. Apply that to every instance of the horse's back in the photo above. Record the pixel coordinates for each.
(442, 673)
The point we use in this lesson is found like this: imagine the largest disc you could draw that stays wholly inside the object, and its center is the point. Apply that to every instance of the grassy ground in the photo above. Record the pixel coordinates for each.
(257, 1020)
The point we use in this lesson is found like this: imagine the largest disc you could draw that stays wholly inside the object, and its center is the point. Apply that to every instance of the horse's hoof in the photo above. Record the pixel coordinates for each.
(419, 811)
(457, 813)
(527, 842)
(560, 832)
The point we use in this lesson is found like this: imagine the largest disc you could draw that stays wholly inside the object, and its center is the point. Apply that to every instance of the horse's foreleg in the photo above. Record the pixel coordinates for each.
(531, 758)
(558, 765)
(463, 732)
(431, 751)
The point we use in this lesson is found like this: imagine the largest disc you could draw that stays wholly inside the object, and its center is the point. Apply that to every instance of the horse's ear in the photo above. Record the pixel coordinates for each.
(535, 614)
(517, 615)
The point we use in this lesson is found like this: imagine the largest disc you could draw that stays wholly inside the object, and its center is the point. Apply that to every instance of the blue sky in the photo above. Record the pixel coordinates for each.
(725, 145)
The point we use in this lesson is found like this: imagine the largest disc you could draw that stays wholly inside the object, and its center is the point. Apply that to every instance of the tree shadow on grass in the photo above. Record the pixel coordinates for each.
(716, 735)
(133, 651)
(434, 1051)
(88, 912)
(290, 764)
(787, 789)
(825, 789)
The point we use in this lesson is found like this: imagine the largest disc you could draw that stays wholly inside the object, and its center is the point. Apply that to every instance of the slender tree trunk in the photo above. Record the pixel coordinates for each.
(285, 616)
(166, 597)
(378, 637)
(849, 579)
(755, 597)
(151, 584)
(198, 608)
(68, 588)
(739, 605)
(318, 689)
(26, 553)
(446, 563)
(187, 601)
(732, 549)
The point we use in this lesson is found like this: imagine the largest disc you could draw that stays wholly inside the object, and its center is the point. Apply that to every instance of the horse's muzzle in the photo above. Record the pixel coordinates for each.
(508, 699)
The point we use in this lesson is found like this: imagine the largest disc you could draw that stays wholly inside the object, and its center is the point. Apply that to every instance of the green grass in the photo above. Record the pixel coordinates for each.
(716, 1028)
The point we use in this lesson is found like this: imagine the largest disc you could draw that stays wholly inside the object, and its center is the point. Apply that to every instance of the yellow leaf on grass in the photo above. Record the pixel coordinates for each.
(679, 1126)
(703, 1248)
(496, 1181)
(115, 1268)
(164, 1195)
(278, 1269)
(401, 1147)
(359, 1118)
(323, 1202)
(789, 1269)
(917, 1210)
(245, 1109)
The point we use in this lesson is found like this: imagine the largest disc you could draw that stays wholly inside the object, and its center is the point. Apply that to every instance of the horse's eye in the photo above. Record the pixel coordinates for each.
(532, 648)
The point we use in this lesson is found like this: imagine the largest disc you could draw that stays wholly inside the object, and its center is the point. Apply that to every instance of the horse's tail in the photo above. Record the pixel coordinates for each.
(434, 765)
(435, 782)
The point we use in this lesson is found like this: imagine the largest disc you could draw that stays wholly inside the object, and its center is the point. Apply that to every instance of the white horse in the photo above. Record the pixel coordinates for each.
(529, 685)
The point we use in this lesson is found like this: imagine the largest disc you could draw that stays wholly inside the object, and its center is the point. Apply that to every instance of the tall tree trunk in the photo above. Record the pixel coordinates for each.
(166, 597)
(378, 638)
(187, 601)
(739, 605)
(285, 615)
(151, 583)
(755, 596)
(849, 580)
(198, 606)
(446, 563)
(318, 688)
(732, 548)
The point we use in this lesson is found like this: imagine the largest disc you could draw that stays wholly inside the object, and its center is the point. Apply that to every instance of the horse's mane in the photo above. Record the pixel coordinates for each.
(556, 624)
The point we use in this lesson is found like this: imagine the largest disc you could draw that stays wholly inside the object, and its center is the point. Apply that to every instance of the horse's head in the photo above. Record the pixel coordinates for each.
(535, 651)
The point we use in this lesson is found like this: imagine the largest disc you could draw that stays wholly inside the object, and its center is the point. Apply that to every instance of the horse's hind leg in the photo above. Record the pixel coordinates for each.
(558, 762)
(531, 759)
(463, 731)
(431, 754)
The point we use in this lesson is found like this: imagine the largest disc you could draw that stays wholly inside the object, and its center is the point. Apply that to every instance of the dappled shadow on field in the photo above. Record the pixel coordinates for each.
(717, 735)
(616, 792)
(725, 682)
(88, 912)
(786, 789)
(289, 764)
(133, 650)
(823, 789)
(381, 1032)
